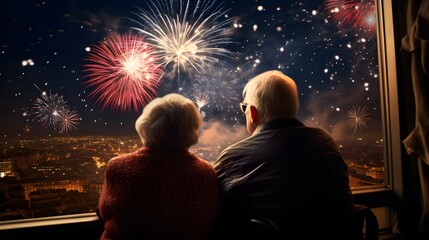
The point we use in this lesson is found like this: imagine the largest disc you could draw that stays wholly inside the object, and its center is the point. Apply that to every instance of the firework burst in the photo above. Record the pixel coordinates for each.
(357, 118)
(124, 72)
(187, 36)
(201, 100)
(68, 120)
(218, 89)
(47, 108)
(51, 110)
(358, 13)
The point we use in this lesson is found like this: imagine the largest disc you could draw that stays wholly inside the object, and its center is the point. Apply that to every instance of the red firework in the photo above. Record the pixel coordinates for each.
(123, 72)
(358, 13)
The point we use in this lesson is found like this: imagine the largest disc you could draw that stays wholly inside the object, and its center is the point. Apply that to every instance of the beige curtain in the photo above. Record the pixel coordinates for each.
(416, 44)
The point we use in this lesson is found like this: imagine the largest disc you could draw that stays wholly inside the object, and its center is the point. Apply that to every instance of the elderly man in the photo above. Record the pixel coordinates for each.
(285, 173)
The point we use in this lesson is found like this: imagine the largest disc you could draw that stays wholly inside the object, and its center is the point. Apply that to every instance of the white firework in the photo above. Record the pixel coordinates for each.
(188, 36)
(52, 110)
(48, 108)
(201, 100)
(357, 118)
(219, 87)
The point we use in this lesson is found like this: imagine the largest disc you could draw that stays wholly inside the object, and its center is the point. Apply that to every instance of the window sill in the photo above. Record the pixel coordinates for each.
(375, 197)
(48, 221)
(86, 225)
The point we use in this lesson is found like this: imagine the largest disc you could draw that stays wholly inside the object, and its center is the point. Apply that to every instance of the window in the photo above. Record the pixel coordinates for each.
(63, 121)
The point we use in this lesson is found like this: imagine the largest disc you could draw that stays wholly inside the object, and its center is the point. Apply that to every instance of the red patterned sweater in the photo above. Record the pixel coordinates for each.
(152, 194)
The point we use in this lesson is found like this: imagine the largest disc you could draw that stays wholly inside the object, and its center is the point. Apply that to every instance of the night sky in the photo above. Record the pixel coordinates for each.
(48, 50)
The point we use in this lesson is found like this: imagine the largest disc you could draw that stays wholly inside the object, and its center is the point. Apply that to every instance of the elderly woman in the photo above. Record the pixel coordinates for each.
(161, 191)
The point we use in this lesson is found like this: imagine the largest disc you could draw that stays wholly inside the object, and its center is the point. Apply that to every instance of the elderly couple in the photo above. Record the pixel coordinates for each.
(285, 173)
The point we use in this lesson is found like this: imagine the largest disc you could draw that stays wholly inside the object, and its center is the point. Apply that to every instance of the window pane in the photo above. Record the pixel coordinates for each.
(75, 75)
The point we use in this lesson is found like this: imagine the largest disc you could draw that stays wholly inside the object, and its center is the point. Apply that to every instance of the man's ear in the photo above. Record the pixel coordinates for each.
(253, 115)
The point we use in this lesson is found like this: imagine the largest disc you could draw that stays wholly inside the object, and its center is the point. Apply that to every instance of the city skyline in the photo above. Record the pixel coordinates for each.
(64, 175)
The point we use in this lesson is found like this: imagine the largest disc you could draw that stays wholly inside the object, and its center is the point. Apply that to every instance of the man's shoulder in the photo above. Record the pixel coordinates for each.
(313, 132)
(240, 146)
(241, 151)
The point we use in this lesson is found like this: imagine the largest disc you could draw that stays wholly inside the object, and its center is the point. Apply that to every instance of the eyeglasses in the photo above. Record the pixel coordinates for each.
(243, 107)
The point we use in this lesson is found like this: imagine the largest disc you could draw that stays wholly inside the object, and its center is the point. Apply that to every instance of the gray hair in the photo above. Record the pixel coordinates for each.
(171, 122)
(274, 94)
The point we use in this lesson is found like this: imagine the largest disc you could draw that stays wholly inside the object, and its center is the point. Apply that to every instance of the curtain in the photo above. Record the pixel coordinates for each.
(416, 44)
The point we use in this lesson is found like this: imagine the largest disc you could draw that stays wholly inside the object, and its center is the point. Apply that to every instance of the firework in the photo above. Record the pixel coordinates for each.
(357, 118)
(47, 108)
(218, 88)
(187, 36)
(68, 120)
(358, 13)
(124, 72)
(201, 100)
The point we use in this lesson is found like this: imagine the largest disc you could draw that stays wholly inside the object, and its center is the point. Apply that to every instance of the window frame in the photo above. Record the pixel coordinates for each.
(393, 191)
(389, 103)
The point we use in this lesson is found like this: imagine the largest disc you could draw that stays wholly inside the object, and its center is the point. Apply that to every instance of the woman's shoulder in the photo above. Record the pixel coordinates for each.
(127, 157)
(202, 163)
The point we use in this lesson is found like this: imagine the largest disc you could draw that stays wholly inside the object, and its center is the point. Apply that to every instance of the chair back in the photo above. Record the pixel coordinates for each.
(363, 226)
(262, 228)
(364, 223)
